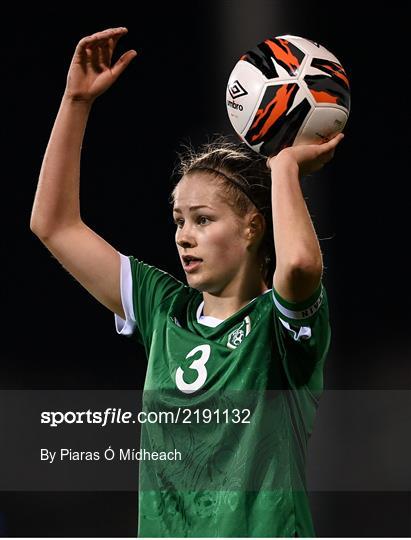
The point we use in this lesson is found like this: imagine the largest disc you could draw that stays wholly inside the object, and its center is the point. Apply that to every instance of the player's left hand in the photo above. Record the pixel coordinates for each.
(309, 157)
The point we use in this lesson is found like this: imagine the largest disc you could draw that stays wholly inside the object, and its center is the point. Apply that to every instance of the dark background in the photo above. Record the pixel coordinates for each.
(54, 335)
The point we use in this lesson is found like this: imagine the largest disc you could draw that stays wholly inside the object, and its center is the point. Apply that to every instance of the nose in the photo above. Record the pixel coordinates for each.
(185, 237)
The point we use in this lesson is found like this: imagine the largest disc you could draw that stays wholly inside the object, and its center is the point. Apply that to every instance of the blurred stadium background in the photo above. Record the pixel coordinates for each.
(56, 336)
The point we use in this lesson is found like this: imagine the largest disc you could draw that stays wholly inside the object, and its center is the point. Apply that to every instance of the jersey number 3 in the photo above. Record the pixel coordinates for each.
(199, 366)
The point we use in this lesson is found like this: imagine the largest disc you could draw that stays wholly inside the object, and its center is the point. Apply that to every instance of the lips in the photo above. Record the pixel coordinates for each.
(188, 258)
(191, 263)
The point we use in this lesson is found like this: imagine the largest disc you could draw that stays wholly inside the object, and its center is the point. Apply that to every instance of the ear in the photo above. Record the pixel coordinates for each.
(256, 226)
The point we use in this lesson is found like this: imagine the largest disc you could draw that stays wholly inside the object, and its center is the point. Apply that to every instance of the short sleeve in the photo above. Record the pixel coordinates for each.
(304, 333)
(299, 314)
(126, 326)
(143, 289)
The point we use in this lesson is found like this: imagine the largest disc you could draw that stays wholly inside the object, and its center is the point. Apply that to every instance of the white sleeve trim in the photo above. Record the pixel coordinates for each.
(304, 332)
(301, 314)
(126, 327)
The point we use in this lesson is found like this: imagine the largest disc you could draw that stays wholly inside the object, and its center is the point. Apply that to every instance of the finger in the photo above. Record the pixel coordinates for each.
(96, 59)
(123, 62)
(102, 57)
(336, 140)
(330, 150)
(100, 37)
(108, 45)
(109, 32)
(106, 52)
(112, 43)
(330, 145)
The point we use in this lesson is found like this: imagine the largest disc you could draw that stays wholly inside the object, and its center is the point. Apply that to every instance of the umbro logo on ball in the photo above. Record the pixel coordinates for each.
(237, 90)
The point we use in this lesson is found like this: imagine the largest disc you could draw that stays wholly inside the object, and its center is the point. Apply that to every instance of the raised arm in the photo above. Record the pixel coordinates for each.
(299, 261)
(55, 217)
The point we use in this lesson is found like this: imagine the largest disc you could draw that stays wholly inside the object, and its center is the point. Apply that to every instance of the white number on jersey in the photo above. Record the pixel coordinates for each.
(199, 366)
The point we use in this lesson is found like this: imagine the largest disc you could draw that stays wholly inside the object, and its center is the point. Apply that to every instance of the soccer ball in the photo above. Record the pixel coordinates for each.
(287, 91)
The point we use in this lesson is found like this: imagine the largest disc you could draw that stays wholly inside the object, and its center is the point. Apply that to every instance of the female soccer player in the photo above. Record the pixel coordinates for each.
(237, 355)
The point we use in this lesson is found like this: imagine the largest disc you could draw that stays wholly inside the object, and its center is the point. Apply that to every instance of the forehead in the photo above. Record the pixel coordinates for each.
(197, 189)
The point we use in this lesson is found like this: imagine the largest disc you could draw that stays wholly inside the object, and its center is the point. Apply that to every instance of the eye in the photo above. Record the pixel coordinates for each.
(203, 220)
(179, 222)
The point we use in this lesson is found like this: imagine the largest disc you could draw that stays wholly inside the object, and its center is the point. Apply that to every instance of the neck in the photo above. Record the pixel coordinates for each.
(223, 304)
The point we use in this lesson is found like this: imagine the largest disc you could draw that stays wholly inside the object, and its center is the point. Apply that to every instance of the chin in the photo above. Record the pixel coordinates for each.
(203, 285)
(198, 282)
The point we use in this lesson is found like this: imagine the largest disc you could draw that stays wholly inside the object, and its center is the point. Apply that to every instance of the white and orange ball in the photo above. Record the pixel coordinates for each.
(287, 91)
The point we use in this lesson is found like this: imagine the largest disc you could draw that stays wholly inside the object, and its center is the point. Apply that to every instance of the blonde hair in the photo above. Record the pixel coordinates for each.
(243, 178)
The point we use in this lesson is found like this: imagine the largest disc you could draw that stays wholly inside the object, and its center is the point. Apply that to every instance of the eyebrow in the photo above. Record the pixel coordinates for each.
(193, 208)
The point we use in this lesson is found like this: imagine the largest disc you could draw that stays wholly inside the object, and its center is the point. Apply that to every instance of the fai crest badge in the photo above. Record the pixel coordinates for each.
(236, 337)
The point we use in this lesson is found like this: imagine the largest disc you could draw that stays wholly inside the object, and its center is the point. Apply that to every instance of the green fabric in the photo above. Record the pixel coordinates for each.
(234, 478)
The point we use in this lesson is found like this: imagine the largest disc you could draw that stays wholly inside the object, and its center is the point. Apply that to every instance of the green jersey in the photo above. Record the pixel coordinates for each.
(232, 403)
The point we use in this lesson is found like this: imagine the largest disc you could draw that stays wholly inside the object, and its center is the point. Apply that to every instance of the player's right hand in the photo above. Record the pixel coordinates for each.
(91, 72)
